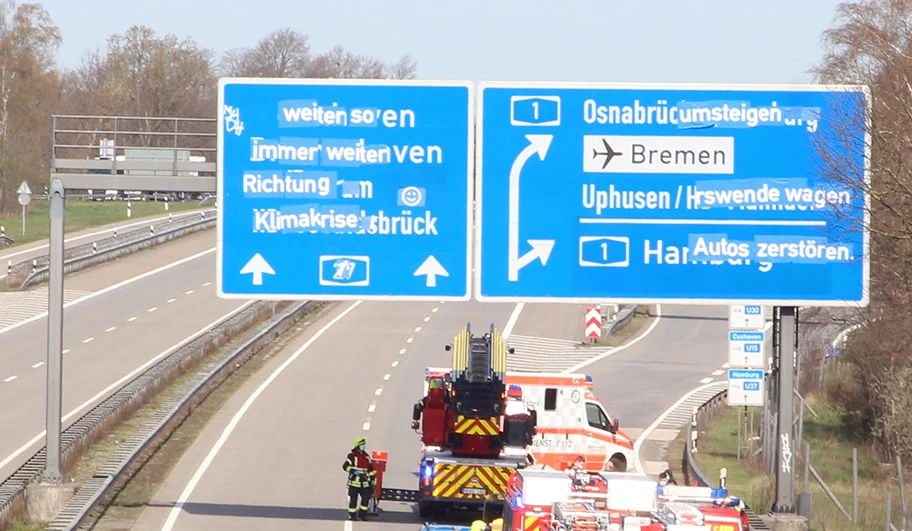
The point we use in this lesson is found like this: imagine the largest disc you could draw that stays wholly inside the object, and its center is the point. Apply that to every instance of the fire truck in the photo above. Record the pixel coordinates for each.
(471, 442)
(548, 500)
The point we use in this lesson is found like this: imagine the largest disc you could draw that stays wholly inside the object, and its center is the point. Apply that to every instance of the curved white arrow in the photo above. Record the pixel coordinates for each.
(541, 249)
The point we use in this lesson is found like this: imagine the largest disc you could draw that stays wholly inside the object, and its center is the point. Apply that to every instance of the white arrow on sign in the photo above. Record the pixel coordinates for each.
(541, 249)
(258, 266)
(431, 268)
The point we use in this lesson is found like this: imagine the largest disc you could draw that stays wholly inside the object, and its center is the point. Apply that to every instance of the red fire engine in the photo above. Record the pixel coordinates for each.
(472, 440)
(548, 500)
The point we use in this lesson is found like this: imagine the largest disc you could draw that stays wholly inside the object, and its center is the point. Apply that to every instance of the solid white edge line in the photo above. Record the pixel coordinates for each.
(637, 339)
(123, 380)
(112, 288)
(191, 485)
(638, 444)
(511, 322)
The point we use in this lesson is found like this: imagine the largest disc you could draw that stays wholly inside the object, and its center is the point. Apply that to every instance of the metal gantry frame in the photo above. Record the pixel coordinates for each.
(73, 167)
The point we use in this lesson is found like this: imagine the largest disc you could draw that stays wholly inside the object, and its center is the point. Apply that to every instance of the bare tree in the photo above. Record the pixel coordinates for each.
(872, 45)
(286, 53)
(29, 88)
(282, 53)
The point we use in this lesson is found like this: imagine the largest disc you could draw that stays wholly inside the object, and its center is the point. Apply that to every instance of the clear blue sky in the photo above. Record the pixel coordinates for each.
(738, 41)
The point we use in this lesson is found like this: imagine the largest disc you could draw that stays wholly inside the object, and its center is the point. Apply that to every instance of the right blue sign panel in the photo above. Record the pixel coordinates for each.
(692, 194)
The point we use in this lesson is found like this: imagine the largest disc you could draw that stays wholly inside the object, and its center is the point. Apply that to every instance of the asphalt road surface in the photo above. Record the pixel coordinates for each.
(134, 311)
(271, 459)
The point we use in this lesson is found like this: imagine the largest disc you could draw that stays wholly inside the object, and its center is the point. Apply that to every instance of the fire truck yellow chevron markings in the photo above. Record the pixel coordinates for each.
(530, 523)
(468, 426)
(498, 354)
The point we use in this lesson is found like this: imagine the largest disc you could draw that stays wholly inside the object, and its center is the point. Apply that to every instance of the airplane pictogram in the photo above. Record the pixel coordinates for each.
(608, 153)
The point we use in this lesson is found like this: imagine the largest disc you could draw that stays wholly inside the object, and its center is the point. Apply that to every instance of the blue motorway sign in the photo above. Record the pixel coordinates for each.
(345, 189)
(672, 194)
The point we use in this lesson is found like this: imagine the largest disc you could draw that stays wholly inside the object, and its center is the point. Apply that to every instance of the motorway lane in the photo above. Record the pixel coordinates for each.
(106, 337)
(28, 251)
(280, 468)
(639, 383)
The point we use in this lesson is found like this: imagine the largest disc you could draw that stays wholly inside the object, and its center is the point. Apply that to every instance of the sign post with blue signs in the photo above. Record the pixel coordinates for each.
(345, 189)
(709, 194)
(745, 387)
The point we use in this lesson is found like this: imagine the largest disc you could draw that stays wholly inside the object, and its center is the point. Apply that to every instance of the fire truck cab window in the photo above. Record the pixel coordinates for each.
(550, 399)
(596, 417)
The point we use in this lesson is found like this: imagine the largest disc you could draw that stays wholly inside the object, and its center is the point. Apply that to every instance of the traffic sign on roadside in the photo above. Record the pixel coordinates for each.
(593, 323)
(745, 387)
(746, 349)
(345, 189)
(746, 317)
(708, 194)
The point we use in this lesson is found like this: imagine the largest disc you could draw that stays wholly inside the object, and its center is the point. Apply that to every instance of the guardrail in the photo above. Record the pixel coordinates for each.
(621, 319)
(83, 256)
(709, 410)
(133, 395)
(168, 417)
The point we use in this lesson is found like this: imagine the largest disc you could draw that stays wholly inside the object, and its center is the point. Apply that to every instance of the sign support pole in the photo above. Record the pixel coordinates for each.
(52, 472)
(785, 469)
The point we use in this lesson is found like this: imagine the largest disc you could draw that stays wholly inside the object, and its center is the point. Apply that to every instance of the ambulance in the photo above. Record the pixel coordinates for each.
(571, 421)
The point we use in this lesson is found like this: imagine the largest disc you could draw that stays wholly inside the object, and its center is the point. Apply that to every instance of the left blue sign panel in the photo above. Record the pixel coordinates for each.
(345, 189)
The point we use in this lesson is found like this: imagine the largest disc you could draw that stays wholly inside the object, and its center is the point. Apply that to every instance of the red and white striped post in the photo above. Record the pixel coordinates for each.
(593, 324)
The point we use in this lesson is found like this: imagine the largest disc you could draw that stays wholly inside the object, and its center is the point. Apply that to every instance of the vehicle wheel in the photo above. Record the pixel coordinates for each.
(619, 463)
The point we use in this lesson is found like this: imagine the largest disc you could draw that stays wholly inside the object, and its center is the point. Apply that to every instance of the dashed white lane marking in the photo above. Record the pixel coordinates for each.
(401, 351)
(170, 301)
(88, 340)
(417, 329)
(130, 320)
(39, 364)
(178, 507)
(152, 309)
(386, 377)
(206, 284)
(706, 380)
(113, 328)
(434, 310)
(10, 379)
(366, 426)
(372, 408)
(409, 340)
(395, 363)
(188, 292)
(64, 351)
(379, 391)
(726, 365)
(428, 318)
(717, 373)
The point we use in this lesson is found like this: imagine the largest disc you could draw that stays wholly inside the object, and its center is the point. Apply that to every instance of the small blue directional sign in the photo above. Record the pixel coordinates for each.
(745, 349)
(675, 194)
(345, 189)
(745, 387)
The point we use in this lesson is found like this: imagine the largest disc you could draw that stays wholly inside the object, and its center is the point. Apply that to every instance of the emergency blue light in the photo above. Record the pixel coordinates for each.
(588, 378)
(719, 493)
(428, 470)
(518, 501)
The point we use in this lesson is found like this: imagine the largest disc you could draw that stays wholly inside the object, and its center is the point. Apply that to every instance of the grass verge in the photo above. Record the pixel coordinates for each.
(81, 215)
(633, 328)
(123, 505)
(831, 456)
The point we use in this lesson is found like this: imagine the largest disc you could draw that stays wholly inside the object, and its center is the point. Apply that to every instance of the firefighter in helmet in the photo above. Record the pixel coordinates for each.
(361, 479)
